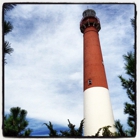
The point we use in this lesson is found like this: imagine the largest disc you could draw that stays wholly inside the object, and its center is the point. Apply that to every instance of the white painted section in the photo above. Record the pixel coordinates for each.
(97, 110)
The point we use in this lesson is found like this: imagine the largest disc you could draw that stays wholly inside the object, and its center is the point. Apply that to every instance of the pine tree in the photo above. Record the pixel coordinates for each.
(71, 132)
(7, 27)
(15, 123)
(53, 133)
(130, 85)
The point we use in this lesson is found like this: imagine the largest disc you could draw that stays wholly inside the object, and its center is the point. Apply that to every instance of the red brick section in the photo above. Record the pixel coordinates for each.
(93, 61)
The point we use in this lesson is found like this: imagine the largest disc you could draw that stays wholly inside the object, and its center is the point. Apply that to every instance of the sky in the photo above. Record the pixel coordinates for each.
(44, 74)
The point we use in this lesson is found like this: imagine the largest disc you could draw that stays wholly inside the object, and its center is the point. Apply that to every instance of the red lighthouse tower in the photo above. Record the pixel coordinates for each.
(97, 106)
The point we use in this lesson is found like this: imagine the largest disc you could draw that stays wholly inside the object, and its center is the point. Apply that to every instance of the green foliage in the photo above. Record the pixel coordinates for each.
(71, 132)
(7, 27)
(133, 23)
(7, 7)
(104, 132)
(15, 123)
(53, 133)
(120, 131)
(7, 48)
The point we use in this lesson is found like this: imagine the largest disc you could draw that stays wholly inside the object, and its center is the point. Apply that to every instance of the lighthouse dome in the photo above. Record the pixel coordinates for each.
(89, 12)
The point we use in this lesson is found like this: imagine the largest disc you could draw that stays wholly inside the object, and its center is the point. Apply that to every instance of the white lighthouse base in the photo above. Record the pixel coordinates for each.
(97, 110)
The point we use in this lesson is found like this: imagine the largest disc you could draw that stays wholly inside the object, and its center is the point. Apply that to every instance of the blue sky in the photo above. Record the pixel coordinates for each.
(44, 74)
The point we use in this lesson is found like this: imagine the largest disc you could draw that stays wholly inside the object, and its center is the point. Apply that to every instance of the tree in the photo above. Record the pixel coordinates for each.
(133, 23)
(71, 132)
(120, 130)
(105, 132)
(53, 133)
(7, 27)
(15, 123)
(130, 85)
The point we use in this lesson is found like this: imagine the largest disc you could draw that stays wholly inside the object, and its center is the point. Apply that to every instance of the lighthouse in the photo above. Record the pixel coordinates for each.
(97, 105)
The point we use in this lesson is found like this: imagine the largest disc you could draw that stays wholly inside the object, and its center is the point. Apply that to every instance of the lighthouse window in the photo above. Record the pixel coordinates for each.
(89, 82)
